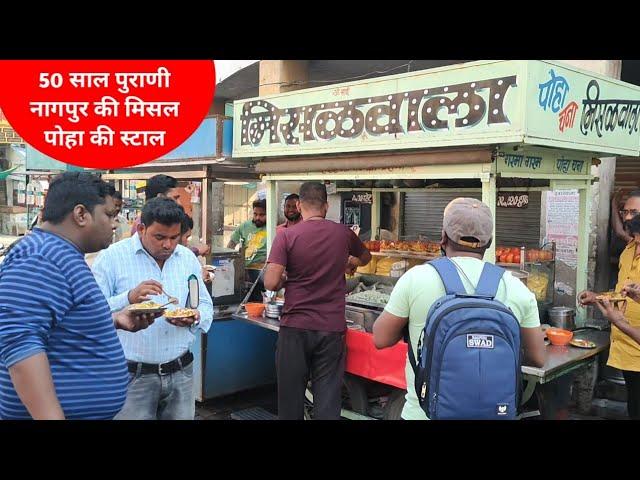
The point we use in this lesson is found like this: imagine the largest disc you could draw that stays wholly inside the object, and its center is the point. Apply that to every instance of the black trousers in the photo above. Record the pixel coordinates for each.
(256, 295)
(308, 354)
(632, 382)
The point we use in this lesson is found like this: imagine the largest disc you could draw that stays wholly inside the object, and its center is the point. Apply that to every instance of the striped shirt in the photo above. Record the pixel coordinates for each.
(50, 302)
(126, 264)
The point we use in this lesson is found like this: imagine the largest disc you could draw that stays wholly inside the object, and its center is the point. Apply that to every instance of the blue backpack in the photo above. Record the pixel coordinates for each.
(468, 364)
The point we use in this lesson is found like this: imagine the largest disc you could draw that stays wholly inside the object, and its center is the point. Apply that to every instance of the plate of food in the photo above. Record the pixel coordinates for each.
(181, 313)
(146, 307)
(582, 343)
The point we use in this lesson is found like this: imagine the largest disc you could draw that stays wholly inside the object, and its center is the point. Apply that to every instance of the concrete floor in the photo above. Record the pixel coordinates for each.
(221, 408)
(266, 398)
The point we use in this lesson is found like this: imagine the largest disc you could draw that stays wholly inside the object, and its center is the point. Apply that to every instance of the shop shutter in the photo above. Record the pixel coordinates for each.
(515, 226)
(627, 172)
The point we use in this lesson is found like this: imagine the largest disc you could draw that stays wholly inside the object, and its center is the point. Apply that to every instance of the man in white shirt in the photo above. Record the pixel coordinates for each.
(151, 265)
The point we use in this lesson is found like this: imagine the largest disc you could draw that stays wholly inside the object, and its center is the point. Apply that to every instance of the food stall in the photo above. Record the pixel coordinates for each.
(502, 131)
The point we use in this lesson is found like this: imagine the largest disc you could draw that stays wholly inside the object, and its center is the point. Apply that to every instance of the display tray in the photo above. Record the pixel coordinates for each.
(364, 303)
(399, 254)
(501, 264)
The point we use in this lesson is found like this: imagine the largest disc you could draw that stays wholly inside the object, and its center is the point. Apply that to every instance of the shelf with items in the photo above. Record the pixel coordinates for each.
(407, 255)
(538, 276)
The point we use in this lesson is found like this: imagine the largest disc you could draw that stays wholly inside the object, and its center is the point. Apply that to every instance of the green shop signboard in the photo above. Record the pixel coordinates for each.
(477, 103)
(530, 162)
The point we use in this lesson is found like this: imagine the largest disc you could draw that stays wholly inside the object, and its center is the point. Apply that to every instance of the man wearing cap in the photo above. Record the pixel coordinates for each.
(467, 231)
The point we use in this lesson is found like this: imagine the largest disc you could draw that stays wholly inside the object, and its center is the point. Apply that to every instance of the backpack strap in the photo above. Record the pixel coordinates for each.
(489, 280)
(449, 276)
(412, 357)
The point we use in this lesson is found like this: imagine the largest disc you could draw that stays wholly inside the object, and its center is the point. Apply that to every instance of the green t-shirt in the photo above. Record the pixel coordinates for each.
(421, 286)
(255, 242)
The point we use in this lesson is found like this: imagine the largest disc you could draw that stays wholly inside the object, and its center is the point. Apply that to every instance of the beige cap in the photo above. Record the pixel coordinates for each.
(468, 217)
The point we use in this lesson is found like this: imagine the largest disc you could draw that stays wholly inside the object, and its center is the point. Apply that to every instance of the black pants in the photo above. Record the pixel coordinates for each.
(320, 355)
(632, 381)
(256, 295)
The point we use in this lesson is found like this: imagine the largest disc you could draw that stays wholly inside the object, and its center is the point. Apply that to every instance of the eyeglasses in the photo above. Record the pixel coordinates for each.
(624, 213)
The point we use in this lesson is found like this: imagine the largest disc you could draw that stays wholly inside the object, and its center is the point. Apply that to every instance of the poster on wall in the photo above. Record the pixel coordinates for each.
(352, 213)
(563, 208)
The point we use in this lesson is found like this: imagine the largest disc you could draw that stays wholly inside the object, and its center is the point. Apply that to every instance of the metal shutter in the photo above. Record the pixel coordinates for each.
(627, 173)
(515, 226)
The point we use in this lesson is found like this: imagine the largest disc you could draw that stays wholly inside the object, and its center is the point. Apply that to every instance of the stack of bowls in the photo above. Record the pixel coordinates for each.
(274, 309)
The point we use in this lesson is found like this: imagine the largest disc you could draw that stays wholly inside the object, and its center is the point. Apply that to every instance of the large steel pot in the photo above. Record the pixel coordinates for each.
(562, 317)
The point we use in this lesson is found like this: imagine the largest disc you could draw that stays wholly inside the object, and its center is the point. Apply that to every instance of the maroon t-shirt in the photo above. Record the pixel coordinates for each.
(314, 254)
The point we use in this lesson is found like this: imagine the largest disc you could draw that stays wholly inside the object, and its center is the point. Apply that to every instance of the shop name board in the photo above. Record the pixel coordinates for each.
(362, 198)
(376, 115)
(478, 103)
(453, 105)
(512, 200)
(607, 115)
(576, 111)
(536, 162)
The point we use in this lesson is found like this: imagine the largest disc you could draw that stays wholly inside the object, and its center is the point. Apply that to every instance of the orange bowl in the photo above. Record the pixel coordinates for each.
(254, 309)
(558, 336)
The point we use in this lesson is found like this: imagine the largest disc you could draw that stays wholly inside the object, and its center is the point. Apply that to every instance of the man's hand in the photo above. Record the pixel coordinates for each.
(141, 292)
(352, 265)
(203, 249)
(207, 275)
(611, 313)
(632, 290)
(587, 298)
(186, 321)
(125, 320)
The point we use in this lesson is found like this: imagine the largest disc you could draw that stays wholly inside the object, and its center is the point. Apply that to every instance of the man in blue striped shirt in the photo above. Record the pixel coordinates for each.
(150, 266)
(59, 353)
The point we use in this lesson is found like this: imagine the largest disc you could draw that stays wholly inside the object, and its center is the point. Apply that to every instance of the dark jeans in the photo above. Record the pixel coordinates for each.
(632, 381)
(301, 354)
(256, 295)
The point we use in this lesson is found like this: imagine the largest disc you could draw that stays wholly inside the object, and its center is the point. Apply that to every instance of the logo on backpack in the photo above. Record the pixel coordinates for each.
(502, 409)
(475, 340)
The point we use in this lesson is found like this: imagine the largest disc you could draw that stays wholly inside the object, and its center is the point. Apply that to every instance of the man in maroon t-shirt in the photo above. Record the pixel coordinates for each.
(315, 254)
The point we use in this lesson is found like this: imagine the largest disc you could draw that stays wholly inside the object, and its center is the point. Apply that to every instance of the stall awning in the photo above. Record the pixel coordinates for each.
(375, 161)
(4, 174)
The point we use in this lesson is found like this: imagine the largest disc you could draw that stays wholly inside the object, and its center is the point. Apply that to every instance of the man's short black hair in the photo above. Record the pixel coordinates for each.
(313, 193)
(187, 224)
(159, 184)
(117, 195)
(293, 196)
(260, 204)
(70, 189)
(163, 211)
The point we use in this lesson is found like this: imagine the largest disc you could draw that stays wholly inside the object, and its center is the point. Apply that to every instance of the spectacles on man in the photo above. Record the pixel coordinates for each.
(633, 213)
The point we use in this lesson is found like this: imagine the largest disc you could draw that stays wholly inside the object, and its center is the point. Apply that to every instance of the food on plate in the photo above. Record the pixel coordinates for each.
(145, 306)
(611, 296)
(581, 343)
(181, 313)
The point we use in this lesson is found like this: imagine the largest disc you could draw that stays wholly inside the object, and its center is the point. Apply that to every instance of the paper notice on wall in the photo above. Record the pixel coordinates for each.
(563, 209)
(224, 282)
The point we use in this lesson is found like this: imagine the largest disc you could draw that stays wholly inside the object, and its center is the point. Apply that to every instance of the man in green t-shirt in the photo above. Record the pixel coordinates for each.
(467, 230)
(253, 235)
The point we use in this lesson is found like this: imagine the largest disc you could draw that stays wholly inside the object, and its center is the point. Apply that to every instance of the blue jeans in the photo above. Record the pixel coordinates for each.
(160, 397)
